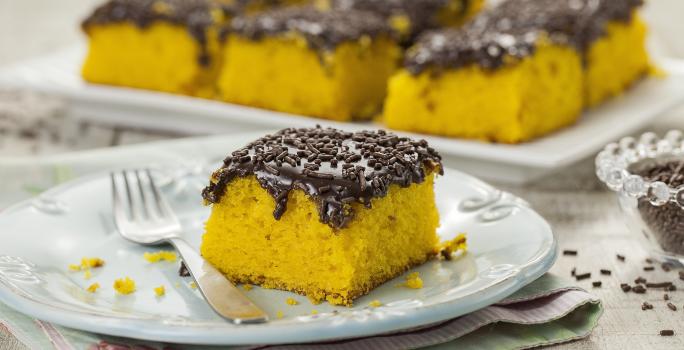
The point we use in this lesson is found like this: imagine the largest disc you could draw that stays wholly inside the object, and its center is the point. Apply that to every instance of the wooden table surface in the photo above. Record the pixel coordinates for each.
(584, 214)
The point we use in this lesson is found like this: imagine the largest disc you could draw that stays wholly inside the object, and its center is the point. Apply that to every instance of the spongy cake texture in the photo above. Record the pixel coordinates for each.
(330, 232)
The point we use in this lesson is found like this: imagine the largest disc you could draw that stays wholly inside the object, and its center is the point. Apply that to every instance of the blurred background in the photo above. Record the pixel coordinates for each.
(35, 124)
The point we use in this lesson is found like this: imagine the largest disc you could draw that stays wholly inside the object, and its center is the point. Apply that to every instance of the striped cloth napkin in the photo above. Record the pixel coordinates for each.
(548, 311)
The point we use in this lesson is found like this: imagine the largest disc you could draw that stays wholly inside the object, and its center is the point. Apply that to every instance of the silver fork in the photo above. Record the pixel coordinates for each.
(143, 216)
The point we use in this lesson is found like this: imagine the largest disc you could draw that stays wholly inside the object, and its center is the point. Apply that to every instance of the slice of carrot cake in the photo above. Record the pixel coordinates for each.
(164, 45)
(519, 70)
(301, 60)
(323, 212)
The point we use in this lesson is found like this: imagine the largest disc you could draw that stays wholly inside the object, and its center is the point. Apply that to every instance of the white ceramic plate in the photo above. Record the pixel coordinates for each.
(60, 74)
(510, 246)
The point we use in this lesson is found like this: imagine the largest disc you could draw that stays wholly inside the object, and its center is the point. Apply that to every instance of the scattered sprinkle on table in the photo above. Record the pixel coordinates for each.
(291, 301)
(573, 272)
(671, 288)
(666, 297)
(620, 257)
(124, 286)
(649, 268)
(279, 314)
(606, 272)
(640, 280)
(583, 276)
(162, 255)
(375, 303)
(596, 284)
(646, 306)
(666, 332)
(570, 252)
(93, 287)
(658, 285)
(649, 261)
(639, 289)
(625, 287)
(160, 291)
(666, 266)
(672, 306)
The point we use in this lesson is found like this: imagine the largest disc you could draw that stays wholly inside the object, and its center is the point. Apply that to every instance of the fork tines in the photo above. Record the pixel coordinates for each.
(136, 197)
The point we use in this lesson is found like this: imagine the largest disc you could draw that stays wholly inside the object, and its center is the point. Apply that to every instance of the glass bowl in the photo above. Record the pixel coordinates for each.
(647, 173)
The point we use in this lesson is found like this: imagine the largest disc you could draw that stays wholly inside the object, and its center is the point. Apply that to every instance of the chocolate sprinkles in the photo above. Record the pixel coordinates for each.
(279, 165)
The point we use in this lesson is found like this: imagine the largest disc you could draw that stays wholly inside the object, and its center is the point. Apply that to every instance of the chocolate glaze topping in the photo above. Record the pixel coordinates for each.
(334, 167)
(511, 30)
(423, 14)
(196, 15)
(323, 30)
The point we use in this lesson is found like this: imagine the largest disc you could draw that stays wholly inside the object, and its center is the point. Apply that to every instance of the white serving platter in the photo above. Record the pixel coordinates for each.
(59, 74)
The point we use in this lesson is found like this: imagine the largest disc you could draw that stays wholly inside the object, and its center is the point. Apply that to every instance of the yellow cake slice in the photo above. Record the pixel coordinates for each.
(518, 71)
(327, 64)
(164, 45)
(322, 212)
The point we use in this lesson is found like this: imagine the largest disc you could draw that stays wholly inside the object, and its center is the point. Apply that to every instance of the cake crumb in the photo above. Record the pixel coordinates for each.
(291, 301)
(162, 255)
(375, 303)
(314, 312)
(279, 314)
(124, 285)
(193, 285)
(93, 287)
(160, 291)
(247, 287)
(87, 274)
(414, 281)
(86, 264)
(448, 248)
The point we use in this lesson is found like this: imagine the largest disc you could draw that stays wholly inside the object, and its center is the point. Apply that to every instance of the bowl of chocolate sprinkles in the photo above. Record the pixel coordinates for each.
(647, 173)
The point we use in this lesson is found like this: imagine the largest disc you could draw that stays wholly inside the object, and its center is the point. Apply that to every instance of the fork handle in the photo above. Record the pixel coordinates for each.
(224, 297)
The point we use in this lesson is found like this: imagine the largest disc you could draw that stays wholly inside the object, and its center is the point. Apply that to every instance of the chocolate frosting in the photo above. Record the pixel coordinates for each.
(423, 14)
(323, 30)
(335, 168)
(512, 30)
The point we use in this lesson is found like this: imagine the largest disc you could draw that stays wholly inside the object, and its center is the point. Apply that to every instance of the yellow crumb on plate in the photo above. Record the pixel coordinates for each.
(193, 285)
(247, 287)
(375, 303)
(162, 255)
(314, 312)
(87, 274)
(414, 281)
(279, 314)
(291, 301)
(124, 285)
(86, 264)
(446, 249)
(93, 287)
(160, 291)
